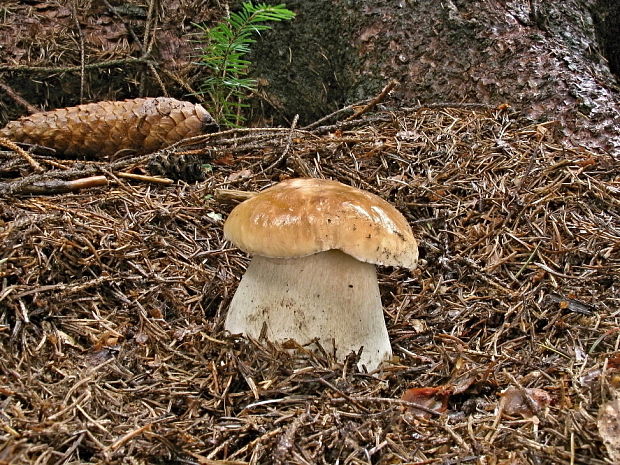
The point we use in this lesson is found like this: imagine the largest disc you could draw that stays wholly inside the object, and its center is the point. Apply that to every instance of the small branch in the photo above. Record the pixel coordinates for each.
(149, 30)
(375, 101)
(86, 183)
(389, 401)
(345, 125)
(288, 145)
(144, 178)
(147, 45)
(60, 69)
(232, 196)
(4, 142)
(157, 77)
(56, 186)
(74, 14)
(439, 105)
(8, 90)
(20, 185)
(320, 121)
(129, 436)
(287, 440)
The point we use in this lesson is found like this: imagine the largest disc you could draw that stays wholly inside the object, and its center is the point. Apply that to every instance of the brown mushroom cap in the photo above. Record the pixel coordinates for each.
(304, 216)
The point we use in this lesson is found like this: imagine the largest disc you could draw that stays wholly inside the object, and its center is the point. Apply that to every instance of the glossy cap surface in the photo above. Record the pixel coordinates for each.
(304, 216)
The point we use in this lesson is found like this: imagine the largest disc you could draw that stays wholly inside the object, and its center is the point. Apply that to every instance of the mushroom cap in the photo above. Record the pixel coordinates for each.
(304, 216)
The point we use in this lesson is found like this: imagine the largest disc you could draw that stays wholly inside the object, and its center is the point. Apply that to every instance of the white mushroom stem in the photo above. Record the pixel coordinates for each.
(329, 296)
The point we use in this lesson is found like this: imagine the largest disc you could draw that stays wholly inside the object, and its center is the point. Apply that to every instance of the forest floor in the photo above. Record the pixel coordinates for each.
(112, 302)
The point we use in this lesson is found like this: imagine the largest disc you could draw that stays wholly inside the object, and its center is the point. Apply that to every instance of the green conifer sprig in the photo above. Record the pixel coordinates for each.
(225, 46)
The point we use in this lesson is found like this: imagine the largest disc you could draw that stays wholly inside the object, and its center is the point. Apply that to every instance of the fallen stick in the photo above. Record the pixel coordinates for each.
(21, 152)
(144, 178)
(375, 101)
(232, 196)
(57, 186)
(18, 98)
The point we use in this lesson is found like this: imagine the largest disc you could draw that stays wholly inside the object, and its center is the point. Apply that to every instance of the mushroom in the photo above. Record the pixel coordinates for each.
(312, 276)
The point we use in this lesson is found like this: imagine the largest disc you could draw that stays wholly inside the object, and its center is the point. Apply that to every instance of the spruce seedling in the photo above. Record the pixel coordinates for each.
(223, 53)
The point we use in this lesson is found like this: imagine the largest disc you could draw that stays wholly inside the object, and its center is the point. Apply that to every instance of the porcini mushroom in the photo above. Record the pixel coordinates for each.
(315, 244)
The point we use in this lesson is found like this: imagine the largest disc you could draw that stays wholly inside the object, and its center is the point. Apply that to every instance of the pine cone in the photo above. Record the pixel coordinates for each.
(188, 168)
(141, 125)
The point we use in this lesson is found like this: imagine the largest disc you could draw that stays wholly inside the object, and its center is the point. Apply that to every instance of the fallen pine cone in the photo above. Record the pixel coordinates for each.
(178, 167)
(141, 125)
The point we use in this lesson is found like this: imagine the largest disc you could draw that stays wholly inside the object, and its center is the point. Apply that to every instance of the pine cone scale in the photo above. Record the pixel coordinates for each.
(141, 125)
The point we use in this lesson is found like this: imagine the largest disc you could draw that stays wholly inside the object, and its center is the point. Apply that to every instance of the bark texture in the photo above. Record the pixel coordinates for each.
(550, 59)
(545, 58)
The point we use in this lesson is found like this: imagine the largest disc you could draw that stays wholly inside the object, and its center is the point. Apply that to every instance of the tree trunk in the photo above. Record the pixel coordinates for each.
(544, 58)
(549, 59)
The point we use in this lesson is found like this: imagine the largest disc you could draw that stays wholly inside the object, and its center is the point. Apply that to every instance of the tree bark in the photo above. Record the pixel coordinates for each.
(551, 60)
(544, 58)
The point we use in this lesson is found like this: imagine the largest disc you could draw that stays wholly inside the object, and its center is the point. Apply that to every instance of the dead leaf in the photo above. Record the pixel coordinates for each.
(215, 216)
(541, 131)
(463, 382)
(433, 398)
(66, 339)
(141, 338)
(590, 161)
(515, 403)
(240, 175)
(100, 356)
(156, 313)
(106, 339)
(6, 392)
(225, 160)
(614, 362)
(609, 427)
(418, 326)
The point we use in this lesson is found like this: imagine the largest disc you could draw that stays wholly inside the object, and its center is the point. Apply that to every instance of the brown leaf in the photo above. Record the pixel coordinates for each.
(141, 338)
(245, 173)
(590, 161)
(614, 362)
(463, 382)
(434, 398)
(515, 403)
(100, 356)
(609, 427)
(226, 159)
